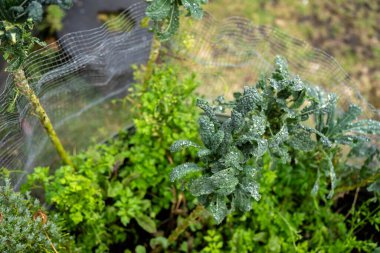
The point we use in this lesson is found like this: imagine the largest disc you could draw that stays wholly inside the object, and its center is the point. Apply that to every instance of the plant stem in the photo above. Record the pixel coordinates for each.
(23, 86)
(195, 214)
(362, 183)
(154, 52)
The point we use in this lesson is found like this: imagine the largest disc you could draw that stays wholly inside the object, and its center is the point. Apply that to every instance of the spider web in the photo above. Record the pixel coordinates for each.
(76, 80)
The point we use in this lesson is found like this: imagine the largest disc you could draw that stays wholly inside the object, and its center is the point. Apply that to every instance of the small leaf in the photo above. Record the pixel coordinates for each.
(217, 139)
(252, 188)
(218, 208)
(204, 153)
(146, 223)
(140, 249)
(193, 7)
(242, 201)
(158, 9)
(183, 170)
(159, 241)
(181, 144)
(206, 130)
(35, 11)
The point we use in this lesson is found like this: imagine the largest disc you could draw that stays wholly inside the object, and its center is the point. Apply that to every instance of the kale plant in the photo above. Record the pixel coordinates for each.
(17, 19)
(165, 14)
(278, 117)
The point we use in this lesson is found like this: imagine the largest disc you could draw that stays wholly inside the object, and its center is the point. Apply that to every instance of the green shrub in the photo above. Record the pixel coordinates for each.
(26, 227)
(119, 188)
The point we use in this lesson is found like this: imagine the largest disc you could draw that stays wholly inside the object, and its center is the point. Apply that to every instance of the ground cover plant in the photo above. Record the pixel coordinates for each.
(117, 191)
(26, 227)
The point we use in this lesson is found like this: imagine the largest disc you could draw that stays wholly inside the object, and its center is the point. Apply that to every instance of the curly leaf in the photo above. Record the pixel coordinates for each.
(171, 27)
(183, 170)
(159, 9)
(218, 208)
(193, 7)
(201, 186)
(181, 144)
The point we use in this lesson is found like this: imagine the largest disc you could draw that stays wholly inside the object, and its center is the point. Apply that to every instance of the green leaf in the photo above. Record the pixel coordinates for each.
(140, 249)
(252, 188)
(206, 130)
(301, 140)
(181, 144)
(204, 153)
(146, 223)
(218, 208)
(344, 122)
(217, 139)
(159, 9)
(35, 11)
(193, 7)
(365, 127)
(201, 186)
(159, 241)
(171, 26)
(224, 179)
(183, 170)
(242, 201)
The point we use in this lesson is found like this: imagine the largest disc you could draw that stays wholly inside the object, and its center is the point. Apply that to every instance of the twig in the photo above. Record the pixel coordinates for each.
(195, 214)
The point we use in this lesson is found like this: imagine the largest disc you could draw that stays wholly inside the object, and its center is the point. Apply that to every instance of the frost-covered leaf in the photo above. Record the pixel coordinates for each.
(247, 102)
(35, 11)
(252, 188)
(242, 201)
(181, 144)
(344, 122)
(193, 6)
(208, 110)
(170, 27)
(159, 9)
(201, 186)
(217, 139)
(224, 179)
(365, 126)
(233, 159)
(206, 131)
(237, 121)
(204, 153)
(279, 138)
(258, 125)
(218, 208)
(183, 170)
(301, 140)
(296, 84)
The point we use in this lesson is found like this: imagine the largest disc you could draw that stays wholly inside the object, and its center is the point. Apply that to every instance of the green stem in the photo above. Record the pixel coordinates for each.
(24, 88)
(195, 214)
(154, 52)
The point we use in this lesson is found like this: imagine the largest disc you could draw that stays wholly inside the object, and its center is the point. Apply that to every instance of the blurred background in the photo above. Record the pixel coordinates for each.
(346, 29)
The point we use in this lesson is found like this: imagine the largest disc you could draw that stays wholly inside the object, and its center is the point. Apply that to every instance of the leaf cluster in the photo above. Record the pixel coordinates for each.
(165, 15)
(273, 117)
(17, 20)
(26, 227)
